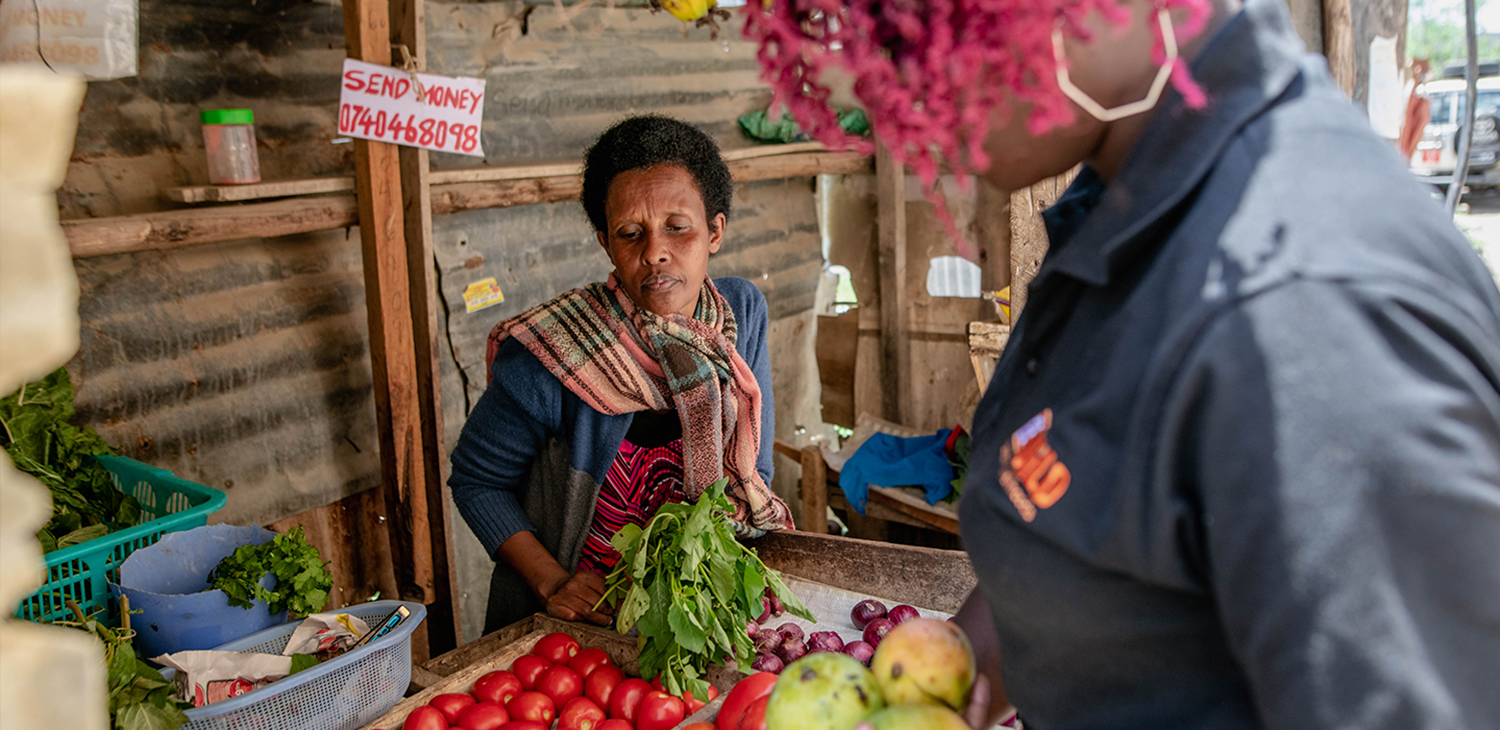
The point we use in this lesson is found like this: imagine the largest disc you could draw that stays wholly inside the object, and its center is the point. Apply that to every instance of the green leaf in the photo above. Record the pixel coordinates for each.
(753, 585)
(685, 630)
(635, 604)
(301, 662)
(789, 600)
(149, 717)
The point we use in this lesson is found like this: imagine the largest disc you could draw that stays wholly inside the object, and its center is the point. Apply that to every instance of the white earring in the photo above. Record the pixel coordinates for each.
(1094, 108)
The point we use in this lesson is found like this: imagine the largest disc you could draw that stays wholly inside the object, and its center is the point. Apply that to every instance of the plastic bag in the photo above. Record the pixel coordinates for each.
(95, 38)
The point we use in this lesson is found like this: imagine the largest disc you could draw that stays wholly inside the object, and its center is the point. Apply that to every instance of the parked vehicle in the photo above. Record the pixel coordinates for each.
(1437, 154)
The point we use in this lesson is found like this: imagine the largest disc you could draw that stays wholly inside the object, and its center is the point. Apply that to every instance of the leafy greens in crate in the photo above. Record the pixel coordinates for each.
(40, 440)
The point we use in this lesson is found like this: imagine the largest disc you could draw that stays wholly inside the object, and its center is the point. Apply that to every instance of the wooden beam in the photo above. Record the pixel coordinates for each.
(189, 227)
(992, 228)
(1338, 43)
(890, 194)
(388, 301)
(814, 491)
(444, 617)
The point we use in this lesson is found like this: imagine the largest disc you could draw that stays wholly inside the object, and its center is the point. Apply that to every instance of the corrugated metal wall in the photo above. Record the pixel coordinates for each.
(245, 365)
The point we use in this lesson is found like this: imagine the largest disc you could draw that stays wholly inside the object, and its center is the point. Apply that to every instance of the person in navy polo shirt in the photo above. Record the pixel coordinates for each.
(1239, 466)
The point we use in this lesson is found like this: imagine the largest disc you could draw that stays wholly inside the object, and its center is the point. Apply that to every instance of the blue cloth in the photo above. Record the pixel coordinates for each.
(532, 455)
(891, 461)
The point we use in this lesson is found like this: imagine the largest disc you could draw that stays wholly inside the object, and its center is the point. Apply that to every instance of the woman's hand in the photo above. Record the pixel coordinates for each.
(573, 598)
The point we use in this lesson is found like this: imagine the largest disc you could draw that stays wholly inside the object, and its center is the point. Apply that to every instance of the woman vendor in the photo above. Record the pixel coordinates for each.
(1239, 465)
(611, 400)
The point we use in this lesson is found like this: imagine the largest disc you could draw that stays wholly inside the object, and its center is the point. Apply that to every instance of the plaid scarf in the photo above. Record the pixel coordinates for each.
(621, 359)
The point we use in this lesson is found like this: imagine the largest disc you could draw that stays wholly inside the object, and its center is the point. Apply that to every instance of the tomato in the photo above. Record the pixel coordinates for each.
(699, 726)
(425, 718)
(558, 648)
(524, 725)
(560, 683)
(580, 714)
(615, 724)
(528, 668)
(623, 701)
(755, 715)
(588, 660)
(741, 697)
(452, 705)
(659, 711)
(696, 705)
(657, 685)
(532, 706)
(497, 687)
(601, 684)
(483, 716)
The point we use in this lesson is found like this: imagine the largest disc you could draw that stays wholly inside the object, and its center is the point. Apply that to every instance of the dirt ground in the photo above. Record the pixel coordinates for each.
(1482, 224)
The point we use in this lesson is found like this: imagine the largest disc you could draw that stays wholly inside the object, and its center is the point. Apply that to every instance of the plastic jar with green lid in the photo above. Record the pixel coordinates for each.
(229, 140)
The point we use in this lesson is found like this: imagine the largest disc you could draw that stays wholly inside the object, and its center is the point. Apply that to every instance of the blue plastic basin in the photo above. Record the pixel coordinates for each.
(168, 584)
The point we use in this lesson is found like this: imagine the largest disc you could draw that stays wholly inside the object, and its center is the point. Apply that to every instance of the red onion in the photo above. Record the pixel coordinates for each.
(902, 613)
(776, 608)
(791, 651)
(752, 628)
(765, 614)
(767, 663)
(866, 611)
(861, 651)
(791, 632)
(767, 642)
(876, 630)
(824, 641)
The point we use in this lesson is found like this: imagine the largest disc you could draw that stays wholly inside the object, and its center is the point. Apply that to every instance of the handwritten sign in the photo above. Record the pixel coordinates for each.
(380, 103)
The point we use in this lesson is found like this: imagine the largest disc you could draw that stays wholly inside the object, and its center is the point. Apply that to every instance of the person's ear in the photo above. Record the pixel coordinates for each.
(604, 244)
(716, 233)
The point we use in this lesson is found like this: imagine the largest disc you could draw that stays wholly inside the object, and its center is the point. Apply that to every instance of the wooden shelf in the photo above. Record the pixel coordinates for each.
(317, 212)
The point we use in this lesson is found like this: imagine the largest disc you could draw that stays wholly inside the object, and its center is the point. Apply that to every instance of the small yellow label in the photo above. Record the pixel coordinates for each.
(482, 294)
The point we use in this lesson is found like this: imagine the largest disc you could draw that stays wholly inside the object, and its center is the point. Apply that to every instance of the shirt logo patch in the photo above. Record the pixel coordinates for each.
(1030, 471)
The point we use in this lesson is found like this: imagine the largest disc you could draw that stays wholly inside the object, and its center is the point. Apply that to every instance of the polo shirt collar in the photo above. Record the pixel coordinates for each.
(1243, 70)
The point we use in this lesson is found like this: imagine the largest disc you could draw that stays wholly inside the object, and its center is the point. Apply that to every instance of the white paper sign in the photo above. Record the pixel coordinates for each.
(1385, 101)
(380, 103)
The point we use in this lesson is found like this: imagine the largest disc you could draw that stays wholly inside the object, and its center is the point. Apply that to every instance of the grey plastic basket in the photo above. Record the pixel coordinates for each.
(344, 693)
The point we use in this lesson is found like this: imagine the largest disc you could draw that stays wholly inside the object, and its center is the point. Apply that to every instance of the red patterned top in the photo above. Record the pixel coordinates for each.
(646, 474)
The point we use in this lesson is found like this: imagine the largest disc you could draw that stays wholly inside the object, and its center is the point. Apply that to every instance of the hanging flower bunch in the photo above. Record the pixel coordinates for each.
(930, 73)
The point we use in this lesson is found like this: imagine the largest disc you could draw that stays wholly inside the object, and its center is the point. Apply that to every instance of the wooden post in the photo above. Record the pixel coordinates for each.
(890, 196)
(1338, 43)
(444, 617)
(814, 490)
(992, 228)
(388, 300)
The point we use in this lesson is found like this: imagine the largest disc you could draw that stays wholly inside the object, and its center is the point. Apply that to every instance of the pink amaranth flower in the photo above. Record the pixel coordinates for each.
(930, 73)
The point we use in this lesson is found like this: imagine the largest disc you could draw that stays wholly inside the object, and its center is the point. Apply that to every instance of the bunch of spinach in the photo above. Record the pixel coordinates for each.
(139, 698)
(302, 577)
(36, 433)
(690, 588)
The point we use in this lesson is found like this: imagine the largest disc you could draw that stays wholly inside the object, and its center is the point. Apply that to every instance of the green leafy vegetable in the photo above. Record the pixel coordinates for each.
(690, 588)
(139, 697)
(36, 433)
(302, 577)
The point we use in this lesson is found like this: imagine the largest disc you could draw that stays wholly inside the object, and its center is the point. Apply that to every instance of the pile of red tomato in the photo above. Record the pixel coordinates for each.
(559, 680)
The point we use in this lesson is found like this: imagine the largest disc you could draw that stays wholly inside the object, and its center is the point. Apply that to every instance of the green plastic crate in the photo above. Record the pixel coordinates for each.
(82, 572)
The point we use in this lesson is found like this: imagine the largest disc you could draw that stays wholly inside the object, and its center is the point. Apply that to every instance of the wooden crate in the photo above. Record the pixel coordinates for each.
(923, 577)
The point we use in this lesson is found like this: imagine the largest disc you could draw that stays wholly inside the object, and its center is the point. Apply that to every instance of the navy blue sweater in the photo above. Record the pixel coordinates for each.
(533, 455)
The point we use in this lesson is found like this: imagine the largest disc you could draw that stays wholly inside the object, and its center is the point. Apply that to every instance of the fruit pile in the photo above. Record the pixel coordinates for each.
(921, 676)
(559, 680)
(778, 647)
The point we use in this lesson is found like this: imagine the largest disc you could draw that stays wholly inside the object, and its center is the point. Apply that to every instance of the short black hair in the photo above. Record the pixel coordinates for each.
(648, 141)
